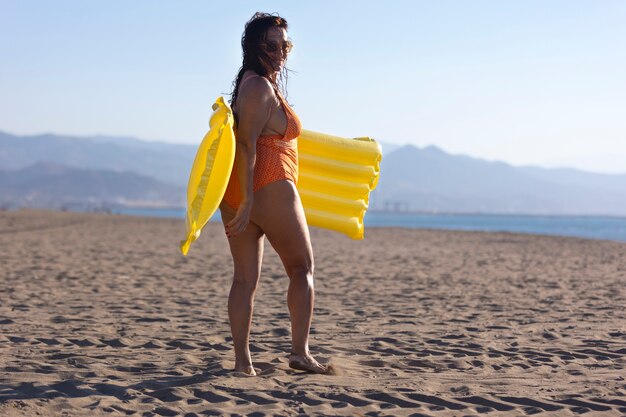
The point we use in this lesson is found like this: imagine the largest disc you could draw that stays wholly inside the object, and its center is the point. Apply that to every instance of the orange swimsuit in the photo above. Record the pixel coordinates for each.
(276, 159)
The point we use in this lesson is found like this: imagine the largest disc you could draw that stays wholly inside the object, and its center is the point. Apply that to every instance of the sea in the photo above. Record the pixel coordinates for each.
(590, 227)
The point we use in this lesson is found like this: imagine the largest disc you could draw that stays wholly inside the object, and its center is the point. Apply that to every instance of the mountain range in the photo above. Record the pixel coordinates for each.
(53, 170)
(52, 185)
(431, 180)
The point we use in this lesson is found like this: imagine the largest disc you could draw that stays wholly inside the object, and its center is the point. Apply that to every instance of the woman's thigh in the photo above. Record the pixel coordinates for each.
(246, 248)
(278, 211)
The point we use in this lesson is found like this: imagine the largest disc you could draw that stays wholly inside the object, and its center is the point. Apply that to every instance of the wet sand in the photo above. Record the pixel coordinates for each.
(100, 315)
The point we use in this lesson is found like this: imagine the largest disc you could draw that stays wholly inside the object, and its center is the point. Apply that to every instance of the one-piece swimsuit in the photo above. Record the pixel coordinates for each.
(276, 158)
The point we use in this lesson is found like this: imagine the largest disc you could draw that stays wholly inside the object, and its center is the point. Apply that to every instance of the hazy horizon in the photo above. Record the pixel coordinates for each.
(386, 149)
(533, 83)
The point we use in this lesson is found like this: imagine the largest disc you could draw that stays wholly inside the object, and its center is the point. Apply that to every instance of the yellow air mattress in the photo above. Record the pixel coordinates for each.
(336, 176)
(210, 172)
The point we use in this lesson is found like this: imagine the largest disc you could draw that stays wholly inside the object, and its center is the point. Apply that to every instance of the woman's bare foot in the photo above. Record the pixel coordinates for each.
(246, 369)
(306, 363)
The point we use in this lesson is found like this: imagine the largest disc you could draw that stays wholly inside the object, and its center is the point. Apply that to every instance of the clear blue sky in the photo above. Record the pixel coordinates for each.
(526, 82)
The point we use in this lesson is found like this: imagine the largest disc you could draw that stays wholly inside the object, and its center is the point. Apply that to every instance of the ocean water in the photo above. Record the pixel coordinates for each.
(592, 227)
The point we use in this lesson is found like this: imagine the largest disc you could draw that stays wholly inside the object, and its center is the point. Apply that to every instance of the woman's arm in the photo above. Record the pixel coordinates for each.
(254, 108)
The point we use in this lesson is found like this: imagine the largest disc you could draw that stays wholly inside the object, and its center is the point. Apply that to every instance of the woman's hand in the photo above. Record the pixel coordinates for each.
(239, 223)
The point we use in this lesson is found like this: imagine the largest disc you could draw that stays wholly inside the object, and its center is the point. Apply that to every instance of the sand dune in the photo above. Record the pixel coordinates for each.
(101, 315)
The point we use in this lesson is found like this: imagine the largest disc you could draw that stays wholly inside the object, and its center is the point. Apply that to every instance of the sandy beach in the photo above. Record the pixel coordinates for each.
(100, 315)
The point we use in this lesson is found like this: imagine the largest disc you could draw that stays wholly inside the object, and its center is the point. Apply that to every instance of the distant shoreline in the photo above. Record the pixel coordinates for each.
(608, 228)
(451, 213)
(122, 209)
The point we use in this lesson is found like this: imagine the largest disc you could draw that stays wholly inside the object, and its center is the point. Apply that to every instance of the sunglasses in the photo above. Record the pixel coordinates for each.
(272, 47)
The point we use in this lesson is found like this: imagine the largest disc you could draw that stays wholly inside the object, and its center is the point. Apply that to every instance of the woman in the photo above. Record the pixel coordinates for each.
(261, 197)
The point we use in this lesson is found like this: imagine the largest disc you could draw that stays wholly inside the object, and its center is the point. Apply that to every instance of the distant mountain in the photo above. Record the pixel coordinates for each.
(51, 185)
(166, 162)
(432, 180)
(416, 179)
(611, 183)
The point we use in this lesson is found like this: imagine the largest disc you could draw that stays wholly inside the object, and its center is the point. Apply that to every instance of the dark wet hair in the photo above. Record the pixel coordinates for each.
(255, 58)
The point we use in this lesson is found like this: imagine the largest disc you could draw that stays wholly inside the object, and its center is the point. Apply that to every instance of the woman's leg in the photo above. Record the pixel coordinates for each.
(278, 212)
(247, 252)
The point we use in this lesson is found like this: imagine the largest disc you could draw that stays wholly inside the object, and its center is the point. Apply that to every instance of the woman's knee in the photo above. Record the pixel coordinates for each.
(302, 271)
(246, 284)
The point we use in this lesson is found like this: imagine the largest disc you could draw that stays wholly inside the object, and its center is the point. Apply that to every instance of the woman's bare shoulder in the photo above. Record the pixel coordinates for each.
(257, 88)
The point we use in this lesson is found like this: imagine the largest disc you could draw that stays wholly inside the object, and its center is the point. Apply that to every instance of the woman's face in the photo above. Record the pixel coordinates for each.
(276, 45)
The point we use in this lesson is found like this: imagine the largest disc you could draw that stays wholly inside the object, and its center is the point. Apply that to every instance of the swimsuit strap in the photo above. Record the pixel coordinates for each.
(283, 101)
(288, 110)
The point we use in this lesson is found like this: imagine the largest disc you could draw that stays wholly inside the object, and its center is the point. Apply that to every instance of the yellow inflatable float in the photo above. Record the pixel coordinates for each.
(210, 172)
(336, 176)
